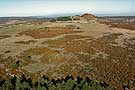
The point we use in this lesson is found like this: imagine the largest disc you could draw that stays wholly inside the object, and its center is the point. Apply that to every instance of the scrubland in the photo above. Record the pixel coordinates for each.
(59, 49)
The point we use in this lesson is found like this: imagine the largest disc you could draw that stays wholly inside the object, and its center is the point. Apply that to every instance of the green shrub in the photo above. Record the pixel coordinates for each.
(27, 58)
(23, 83)
(14, 65)
(66, 18)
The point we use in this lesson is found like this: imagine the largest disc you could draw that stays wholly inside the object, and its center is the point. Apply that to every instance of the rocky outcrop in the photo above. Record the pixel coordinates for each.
(84, 18)
(88, 16)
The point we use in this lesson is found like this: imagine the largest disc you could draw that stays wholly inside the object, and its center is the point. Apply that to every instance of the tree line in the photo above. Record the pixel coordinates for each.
(44, 83)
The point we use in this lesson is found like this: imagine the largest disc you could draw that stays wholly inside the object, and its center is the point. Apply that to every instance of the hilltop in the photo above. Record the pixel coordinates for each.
(84, 18)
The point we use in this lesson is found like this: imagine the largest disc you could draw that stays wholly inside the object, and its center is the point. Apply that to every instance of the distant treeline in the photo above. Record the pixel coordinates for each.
(66, 18)
(44, 83)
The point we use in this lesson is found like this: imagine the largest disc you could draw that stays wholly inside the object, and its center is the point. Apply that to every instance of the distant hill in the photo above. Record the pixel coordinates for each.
(88, 16)
(6, 20)
(84, 18)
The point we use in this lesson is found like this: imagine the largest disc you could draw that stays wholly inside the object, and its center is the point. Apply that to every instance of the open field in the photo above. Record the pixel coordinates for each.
(58, 49)
(119, 22)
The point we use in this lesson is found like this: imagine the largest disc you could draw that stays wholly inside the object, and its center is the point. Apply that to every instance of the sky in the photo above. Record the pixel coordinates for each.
(66, 7)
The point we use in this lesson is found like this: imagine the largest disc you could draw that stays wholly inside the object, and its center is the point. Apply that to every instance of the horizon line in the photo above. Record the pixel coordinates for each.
(73, 14)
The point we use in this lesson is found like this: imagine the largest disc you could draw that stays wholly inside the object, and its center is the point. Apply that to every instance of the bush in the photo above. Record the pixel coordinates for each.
(23, 83)
(15, 65)
(78, 28)
(67, 18)
(27, 58)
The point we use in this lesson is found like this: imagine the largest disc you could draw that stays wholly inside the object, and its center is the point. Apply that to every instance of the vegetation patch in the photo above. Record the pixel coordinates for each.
(25, 42)
(40, 51)
(7, 51)
(72, 43)
(73, 55)
(44, 83)
(36, 67)
(14, 65)
(119, 24)
(49, 32)
(117, 69)
(4, 36)
(130, 43)
(66, 18)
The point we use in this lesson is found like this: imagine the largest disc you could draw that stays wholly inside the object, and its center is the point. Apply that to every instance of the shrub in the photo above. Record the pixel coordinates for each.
(23, 83)
(15, 65)
(78, 27)
(66, 18)
(27, 58)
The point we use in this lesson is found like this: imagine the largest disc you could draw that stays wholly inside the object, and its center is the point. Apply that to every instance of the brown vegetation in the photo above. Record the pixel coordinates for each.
(117, 68)
(49, 32)
(114, 24)
(25, 42)
(40, 50)
(72, 43)
(102, 58)
(4, 36)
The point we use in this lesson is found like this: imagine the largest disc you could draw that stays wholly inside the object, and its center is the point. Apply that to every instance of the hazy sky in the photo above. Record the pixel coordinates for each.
(52, 7)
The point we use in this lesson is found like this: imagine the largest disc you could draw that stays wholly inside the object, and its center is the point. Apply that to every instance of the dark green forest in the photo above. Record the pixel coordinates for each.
(66, 18)
(44, 83)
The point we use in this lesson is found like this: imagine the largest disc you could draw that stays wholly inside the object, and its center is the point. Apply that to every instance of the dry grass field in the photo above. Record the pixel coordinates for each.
(58, 49)
(126, 24)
